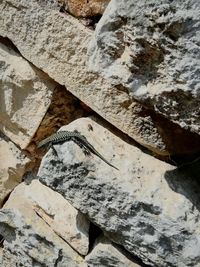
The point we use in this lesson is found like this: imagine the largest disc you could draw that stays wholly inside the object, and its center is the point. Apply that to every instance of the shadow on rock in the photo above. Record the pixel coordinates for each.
(185, 180)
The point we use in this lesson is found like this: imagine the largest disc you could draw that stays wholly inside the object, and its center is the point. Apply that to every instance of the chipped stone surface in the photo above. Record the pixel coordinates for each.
(57, 212)
(148, 206)
(152, 49)
(12, 167)
(24, 96)
(29, 240)
(1, 254)
(104, 254)
(86, 9)
(57, 44)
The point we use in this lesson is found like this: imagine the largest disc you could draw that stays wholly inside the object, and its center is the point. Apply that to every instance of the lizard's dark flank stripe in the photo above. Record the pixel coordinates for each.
(64, 136)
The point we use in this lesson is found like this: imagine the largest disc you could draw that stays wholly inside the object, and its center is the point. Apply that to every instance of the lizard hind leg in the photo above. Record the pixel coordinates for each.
(86, 151)
(79, 134)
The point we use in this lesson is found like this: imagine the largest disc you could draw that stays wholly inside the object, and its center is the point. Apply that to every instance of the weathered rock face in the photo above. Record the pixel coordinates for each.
(83, 8)
(148, 211)
(57, 44)
(147, 206)
(52, 208)
(37, 223)
(152, 48)
(1, 254)
(31, 228)
(24, 96)
(105, 254)
(12, 167)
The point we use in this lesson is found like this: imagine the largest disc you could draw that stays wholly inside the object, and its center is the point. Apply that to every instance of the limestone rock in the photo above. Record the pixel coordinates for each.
(104, 254)
(83, 8)
(58, 46)
(1, 254)
(148, 206)
(152, 49)
(29, 240)
(12, 167)
(52, 208)
(24, 96)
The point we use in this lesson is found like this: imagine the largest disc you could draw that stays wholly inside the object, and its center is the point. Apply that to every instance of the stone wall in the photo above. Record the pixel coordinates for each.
(125, 75)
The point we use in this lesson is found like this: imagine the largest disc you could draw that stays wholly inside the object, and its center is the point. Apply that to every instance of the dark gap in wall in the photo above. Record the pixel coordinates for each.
(1, 241)
(94, 233)
(7, 42)
(89, 22)
(5, 199)
(93, 21)
(130, 256)
(4, 137)
(177, 139)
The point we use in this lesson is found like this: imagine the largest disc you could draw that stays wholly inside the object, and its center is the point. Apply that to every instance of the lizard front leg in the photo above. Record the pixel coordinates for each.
(53, 149)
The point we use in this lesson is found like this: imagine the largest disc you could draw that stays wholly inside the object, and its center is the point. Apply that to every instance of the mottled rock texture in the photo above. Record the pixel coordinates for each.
(29, 240)
(1, 254)
(57, 44)
(13, 164)
(152, 49)
(148, 206)
(105, 254)
(52, 208)
(24, 96)
(142, 78)
(85, 8)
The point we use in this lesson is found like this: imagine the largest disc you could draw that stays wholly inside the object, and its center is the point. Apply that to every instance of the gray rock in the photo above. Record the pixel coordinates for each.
(152, 49)
(30, 242)
(13, 165)
(25, 96)
(104, 254)
(61, 217)
(1, 254)
(147, 206)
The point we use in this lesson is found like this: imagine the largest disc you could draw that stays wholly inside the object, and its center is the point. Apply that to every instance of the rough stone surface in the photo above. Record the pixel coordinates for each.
(148, 206)
(24, 96)
(29, 241)
(83, 8)
(12, 167)
(104, 254)
(57, 44)
(63, 218)
(1, 254)
(152, 49)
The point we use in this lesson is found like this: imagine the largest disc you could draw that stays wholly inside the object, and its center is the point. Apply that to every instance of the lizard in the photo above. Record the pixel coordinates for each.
(79, 139)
